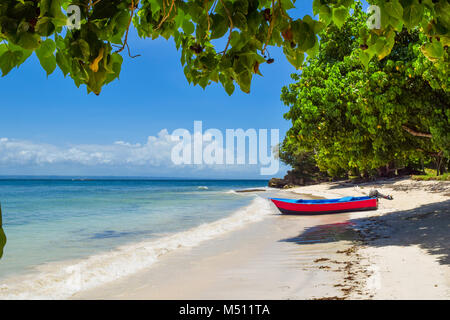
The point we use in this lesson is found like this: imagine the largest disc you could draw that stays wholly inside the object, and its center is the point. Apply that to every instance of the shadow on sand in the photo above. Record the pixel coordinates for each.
(427, 226)
(385, 182)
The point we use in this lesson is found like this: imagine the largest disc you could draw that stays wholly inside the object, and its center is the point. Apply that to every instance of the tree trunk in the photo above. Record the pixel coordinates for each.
(438, 165)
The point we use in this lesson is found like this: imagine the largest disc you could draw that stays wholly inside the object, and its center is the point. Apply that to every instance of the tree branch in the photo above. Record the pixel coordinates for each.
(133, 7)
(271, 25)
(231, 25)
(166, 16)
(92, 4)
(416, 133)
(205, 3)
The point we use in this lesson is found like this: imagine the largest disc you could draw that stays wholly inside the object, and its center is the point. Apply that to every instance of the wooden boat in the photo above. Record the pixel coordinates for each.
(325, 206)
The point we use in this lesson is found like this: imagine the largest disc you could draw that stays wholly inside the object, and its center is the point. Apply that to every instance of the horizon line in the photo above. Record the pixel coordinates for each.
(84, 177)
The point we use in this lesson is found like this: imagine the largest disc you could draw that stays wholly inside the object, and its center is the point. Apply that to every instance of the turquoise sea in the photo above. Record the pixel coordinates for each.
(66, 235)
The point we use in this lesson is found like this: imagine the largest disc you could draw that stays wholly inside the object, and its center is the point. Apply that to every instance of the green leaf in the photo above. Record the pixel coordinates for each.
(314, 50)
(433, 50)
(116, 61)
(29, 41)
(443, 11)
(240, 21)
(412, 15)
(340, 15)
(219, 26)
(96, 81)
(287, 4)
(49, 64)
(180, 18)
(364, 58)
(44, 7)
(388, 44)
(304, 35)
(229, 87)
(46, 49)
(315, 26)
(295, 57)
(316, 7)
(155, 5)
(394, 9)
(44, 27)
(83, 47)
(325, 14)
(8, 60)
(3, 48)
(63, 63)
(244, 80)
(236, 41)
(22, 54)
(188, 27)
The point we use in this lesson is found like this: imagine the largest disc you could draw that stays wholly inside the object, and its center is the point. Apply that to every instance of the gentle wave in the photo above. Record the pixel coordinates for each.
(63, 279)
(248, 190)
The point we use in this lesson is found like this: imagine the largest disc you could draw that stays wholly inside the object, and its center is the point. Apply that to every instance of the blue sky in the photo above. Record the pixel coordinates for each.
(50, 115)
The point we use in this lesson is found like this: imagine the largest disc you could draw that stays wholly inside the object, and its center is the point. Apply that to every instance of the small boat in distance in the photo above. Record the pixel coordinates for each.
(325, 206)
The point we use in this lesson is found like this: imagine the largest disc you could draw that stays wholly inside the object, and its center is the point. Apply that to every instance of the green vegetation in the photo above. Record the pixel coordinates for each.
(357, 121)
(431, 175)
(222, 41)
(304, 166)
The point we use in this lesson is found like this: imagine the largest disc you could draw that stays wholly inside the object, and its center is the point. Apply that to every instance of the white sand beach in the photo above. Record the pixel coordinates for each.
(405, 244)
(400, 251)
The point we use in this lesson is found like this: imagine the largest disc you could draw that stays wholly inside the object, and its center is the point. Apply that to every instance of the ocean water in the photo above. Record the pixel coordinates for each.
(67, 235)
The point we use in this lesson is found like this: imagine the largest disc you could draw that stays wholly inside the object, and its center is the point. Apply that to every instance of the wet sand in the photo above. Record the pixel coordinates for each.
(270, 259)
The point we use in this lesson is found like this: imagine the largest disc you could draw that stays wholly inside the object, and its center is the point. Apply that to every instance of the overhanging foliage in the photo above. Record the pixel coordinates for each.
(92, 55)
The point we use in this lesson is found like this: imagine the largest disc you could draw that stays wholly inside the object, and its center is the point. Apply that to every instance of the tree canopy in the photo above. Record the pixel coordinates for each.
(222, 41)
(396, 112)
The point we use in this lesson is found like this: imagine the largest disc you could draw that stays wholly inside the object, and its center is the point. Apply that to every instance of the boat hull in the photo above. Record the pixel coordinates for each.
(287, 206)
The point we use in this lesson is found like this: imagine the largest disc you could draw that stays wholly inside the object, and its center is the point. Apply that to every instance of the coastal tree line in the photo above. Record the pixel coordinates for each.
(353, 120)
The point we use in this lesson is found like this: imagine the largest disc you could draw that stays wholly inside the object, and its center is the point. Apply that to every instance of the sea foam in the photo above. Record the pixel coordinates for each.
(60, 280)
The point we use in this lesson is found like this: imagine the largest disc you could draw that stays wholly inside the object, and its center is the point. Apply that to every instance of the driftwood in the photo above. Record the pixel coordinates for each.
(376, 194)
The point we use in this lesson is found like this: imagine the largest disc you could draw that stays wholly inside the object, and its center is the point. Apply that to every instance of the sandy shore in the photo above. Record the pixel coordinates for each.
(403, 249)
(400, 251)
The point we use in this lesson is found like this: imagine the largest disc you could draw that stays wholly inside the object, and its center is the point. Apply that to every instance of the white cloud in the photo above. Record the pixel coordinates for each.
(155, 152)
(118, 158)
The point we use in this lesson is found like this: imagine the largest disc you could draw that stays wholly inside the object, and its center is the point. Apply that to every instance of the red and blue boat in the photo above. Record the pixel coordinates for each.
(325, 206)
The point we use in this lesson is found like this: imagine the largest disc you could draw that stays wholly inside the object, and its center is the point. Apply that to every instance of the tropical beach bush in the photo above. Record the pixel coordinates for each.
(364, 120)
(222, 41)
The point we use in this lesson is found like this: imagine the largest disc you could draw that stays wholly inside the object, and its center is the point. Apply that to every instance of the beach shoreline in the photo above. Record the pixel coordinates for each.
(362, 255)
